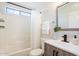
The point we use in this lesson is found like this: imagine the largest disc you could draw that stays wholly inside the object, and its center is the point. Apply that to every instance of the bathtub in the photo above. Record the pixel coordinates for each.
(24, 52)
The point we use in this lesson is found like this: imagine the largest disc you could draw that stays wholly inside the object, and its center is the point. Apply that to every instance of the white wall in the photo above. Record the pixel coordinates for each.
(35, 29)
(49, 14)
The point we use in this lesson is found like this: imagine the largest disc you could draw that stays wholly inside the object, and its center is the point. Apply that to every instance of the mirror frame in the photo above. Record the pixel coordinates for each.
(64, 29)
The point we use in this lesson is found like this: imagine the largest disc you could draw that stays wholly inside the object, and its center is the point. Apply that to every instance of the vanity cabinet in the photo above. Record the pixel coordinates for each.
(50, 50)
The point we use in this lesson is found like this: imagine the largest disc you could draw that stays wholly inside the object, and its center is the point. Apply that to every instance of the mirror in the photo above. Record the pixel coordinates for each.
(68, 16)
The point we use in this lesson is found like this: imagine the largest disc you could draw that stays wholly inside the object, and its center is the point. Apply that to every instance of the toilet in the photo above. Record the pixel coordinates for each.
(38, 51)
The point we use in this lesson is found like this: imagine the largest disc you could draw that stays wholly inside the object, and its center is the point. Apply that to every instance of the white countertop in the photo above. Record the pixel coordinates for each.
(64, 46)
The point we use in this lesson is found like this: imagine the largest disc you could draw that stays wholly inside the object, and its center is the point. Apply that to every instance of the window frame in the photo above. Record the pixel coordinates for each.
(12, 9)
(24, 12)
(18, 11)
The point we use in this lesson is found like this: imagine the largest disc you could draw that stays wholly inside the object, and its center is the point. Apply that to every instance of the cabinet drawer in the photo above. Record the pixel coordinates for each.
(48, 50)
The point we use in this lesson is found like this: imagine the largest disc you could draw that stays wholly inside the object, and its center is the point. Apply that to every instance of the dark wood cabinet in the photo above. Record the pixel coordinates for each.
(50, 50)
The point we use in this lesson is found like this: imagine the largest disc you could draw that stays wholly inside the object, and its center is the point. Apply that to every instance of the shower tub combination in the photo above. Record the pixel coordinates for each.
(24, 52)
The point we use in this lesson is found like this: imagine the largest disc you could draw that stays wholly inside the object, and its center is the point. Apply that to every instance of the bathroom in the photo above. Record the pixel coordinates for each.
(39, 29)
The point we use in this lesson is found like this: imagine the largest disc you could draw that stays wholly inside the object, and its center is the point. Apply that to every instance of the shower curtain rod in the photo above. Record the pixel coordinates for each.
(19, 5)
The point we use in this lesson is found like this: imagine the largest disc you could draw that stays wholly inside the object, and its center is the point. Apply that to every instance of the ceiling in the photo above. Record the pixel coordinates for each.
(40, 6)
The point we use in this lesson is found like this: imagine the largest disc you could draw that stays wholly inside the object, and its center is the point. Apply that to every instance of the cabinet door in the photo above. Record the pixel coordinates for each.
(48, 50)
(54, 51)
(59, 52)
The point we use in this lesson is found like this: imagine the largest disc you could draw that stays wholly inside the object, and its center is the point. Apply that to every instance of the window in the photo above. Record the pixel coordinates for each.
(25, 13)
(12, 11)
(17, 12)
